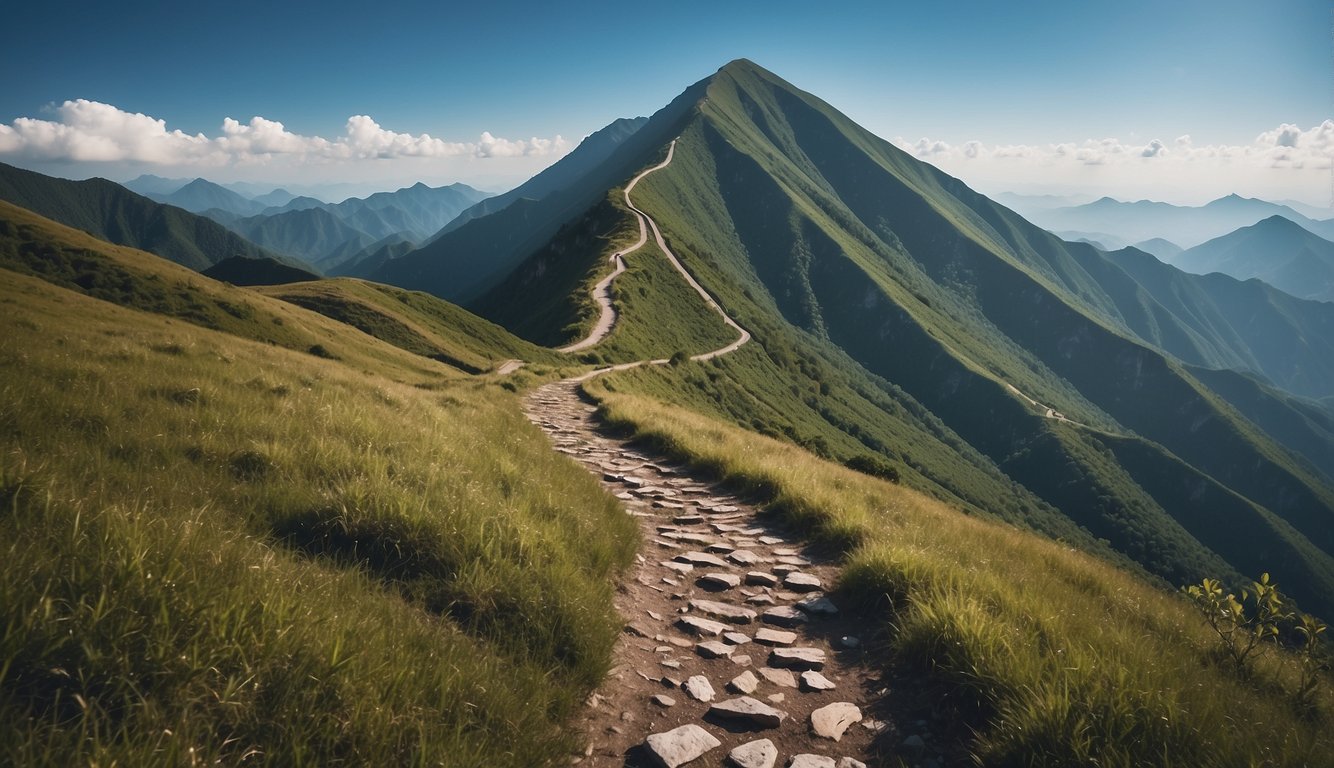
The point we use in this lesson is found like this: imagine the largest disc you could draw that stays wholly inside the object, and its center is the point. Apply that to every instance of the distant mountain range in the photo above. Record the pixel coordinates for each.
(113, 213)
(1186, 226)
(1275, 250)
(326, 235)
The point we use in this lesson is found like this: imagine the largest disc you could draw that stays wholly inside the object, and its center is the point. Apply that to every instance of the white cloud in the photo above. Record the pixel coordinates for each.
(89, 131)
(1287, 146)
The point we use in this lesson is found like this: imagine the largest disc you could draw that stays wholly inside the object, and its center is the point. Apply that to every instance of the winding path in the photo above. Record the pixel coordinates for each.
(730, 649)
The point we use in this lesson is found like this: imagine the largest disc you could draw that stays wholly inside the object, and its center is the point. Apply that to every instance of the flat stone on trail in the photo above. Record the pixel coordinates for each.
(780, 677)
(820, 606)
(719, 580)
(814, 681)
(784, 616)
(700, 558)
(832, 720)
(745, 683)
(699, 689)
(799, 581)
(698, 626)
(768, 636)
(761, 579)
(743, 557)
(680, 745)
(736, 638)
(663, 700)
(712, 649)
(797, 658)
(748, 711)
(678, 567)
(811, 761)
(732, 613)
(689, 538)
(755, 754)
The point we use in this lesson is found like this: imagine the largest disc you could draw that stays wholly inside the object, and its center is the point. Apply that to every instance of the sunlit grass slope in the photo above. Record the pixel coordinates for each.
(1055, 657)
(417, 322)
(222, 548)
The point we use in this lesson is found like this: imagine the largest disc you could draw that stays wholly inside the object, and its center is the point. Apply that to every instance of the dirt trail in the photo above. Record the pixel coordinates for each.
(602, 291)
(719, 595)
(731, 653)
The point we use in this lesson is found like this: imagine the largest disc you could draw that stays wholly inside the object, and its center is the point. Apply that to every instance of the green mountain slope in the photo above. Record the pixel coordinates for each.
(110, 212)
(829, 244)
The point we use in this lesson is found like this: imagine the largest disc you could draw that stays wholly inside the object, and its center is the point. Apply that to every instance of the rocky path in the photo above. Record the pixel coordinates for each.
(731, 654)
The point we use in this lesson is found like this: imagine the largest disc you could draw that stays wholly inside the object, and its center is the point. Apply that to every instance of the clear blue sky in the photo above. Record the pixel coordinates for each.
(1221, 71)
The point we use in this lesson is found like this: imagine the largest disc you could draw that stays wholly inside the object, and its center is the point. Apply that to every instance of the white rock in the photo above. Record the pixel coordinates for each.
(755, 754)
(680, 745)
(832, 720)
(698, 688)
(814, 681)
(797, 581)
(784, 616)
(719, 580)
(712, 649)
(748, 711)
(797, 658)
(768, 636)
(781, 677)
(744, 683)
(725, 611)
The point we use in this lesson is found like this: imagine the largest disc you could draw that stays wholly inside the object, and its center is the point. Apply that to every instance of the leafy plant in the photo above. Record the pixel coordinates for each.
(1241, 633)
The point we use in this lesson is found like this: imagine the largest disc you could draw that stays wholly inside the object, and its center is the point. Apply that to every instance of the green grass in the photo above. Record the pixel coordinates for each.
(1055, 657)
(219, 548)
(416, 322)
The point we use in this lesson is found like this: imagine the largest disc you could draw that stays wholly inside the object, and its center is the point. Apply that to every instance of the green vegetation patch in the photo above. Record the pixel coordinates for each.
(1055, 657)
(220, 550)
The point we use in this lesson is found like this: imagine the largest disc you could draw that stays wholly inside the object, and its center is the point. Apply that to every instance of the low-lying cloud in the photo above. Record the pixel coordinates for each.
(90, 131)
(1287, 146)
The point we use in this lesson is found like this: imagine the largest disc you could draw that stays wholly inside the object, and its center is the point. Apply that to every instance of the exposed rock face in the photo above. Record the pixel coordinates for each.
(680, 745)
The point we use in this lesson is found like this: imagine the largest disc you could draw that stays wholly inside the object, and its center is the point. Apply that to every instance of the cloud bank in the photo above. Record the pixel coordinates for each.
(93, 132)
(1288, 162)
(1287, 146)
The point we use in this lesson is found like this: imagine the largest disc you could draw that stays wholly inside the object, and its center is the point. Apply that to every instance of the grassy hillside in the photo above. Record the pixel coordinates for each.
(417, 322)
(1054, 657)
(113, 213)
(224, 547)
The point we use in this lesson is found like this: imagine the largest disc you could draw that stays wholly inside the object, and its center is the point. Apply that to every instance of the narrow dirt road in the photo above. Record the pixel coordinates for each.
(731, 651)
(602, 291)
